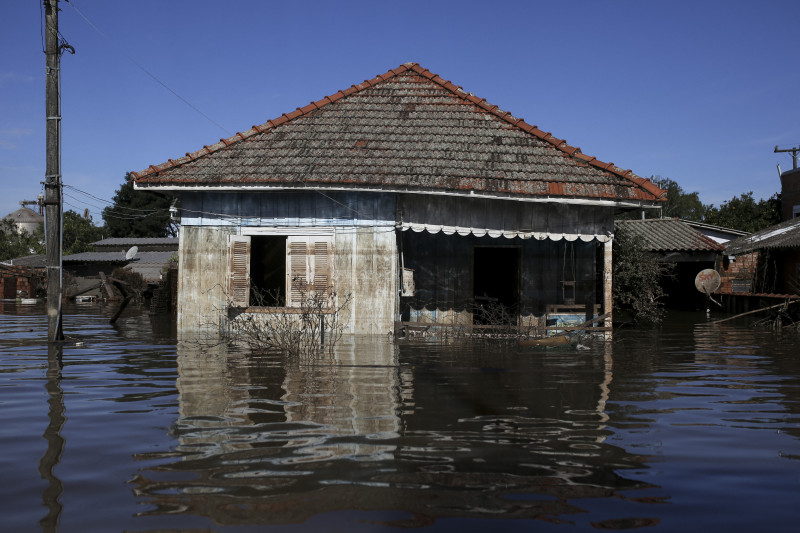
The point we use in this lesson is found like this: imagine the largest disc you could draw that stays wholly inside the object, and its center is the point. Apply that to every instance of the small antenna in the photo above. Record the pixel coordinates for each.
(131, 253)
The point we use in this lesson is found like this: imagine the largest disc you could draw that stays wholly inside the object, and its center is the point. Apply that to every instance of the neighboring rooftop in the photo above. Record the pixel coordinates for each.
(144, 244)
(720, 234)
(670, 235)
(36, 261)
(783, 235)
(149, 264)
(406, 130)
(137, 241)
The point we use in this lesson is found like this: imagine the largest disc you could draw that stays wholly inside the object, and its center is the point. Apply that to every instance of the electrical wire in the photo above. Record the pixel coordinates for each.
(157, 80)
(143, 69)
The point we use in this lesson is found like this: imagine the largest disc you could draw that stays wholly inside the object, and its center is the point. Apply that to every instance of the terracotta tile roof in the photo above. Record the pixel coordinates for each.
(407, 129)
(783, 235)
(670, 235)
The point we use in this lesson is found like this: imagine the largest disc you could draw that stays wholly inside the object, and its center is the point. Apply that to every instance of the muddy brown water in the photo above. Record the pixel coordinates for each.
(690, 427)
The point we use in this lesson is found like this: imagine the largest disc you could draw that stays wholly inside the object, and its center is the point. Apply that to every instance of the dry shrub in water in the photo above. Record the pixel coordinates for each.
(308, 331)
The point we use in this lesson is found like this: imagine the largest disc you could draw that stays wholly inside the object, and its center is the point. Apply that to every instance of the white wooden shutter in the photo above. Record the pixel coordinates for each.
(239, 270)
(296, 270)
(309, 267)
(322, 266)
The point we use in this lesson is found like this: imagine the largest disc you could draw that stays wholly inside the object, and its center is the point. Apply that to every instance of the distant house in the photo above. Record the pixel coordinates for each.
(24, 277)
(150, 257)
(679, 243)
(421, 201)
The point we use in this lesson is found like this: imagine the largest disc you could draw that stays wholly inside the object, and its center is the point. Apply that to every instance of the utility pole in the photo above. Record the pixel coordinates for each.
(52, 184)
(793, 151)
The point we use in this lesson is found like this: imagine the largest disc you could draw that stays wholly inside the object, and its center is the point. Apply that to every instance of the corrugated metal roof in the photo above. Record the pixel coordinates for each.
(407, 129)
(119, 257)
(783, 235)
(670, 235)
(38, 261)
(137, 241)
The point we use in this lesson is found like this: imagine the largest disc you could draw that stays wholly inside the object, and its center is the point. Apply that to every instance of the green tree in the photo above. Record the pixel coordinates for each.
(680, 204)
(79, 233)
(637, 291)
(15, 243)
(139, 213)
(745, 213)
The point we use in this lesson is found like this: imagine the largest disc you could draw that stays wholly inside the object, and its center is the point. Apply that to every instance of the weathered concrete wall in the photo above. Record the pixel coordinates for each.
(202, 271)
(366, 267)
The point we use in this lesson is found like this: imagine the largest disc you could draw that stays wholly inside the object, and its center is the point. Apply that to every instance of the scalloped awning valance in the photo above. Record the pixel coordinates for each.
(505, 218)
(508, 234)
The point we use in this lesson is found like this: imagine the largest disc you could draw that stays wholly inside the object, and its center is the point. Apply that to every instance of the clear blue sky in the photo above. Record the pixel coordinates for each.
(697, 91)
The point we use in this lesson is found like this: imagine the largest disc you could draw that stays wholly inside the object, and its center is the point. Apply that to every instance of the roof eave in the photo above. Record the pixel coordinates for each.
(543, 198)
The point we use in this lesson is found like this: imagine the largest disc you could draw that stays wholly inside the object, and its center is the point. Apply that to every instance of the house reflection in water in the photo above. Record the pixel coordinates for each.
(428, 431)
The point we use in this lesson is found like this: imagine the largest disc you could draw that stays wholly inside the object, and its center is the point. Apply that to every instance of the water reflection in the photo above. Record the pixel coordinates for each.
(430, 431)
(51, 495)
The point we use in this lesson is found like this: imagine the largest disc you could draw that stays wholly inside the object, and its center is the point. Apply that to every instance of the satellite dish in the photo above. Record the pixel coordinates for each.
(130, 254)
(707, 281)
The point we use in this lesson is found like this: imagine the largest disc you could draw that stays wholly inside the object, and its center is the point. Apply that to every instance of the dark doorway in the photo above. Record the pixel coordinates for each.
(496, 284)
(10, 287)
(268, 270)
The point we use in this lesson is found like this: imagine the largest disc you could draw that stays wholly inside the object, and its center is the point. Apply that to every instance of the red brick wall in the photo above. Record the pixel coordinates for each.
(742, 268)
(25, 279)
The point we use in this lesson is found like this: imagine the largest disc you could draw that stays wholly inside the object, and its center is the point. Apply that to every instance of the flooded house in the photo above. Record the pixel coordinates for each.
(420, 201)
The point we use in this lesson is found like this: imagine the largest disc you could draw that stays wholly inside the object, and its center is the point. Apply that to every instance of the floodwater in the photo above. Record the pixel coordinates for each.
(690, 427)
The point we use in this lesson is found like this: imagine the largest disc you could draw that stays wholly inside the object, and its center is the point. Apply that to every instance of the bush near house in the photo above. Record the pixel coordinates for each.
(637, 290)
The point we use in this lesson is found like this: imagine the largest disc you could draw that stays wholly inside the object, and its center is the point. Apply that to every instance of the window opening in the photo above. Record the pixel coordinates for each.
(268, 270)
(279, 270)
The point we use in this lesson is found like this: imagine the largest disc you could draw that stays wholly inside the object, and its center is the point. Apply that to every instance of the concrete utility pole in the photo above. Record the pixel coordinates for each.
(52, 184)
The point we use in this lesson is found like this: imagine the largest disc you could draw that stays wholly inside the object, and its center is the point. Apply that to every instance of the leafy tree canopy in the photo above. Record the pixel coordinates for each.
(680, 204)
(137, 213)
(15, 243)
(740, 212)
(745, 213)
(79, 233)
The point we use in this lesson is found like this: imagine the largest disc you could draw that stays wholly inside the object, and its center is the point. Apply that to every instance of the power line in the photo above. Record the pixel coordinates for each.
(110, 203)
(143, 69)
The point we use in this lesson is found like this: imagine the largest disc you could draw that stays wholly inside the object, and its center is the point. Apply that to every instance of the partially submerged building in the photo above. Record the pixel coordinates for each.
(24, 277)
(419, 200)
(689, 251)
(147, 256)
(765, 263)
(150, 257)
